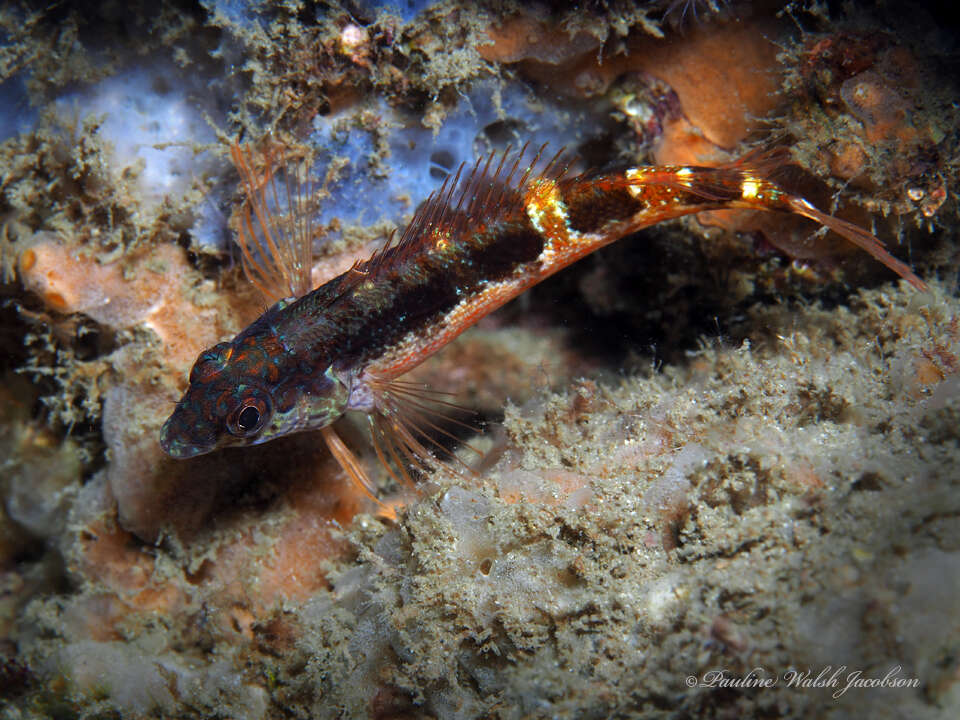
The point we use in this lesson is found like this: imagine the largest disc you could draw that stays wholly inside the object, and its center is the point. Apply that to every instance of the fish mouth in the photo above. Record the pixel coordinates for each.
(178, 445)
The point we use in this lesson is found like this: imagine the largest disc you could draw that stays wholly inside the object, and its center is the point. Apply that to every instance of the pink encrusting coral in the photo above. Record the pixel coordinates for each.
(153, 290)
(883, 121)
(149, 289)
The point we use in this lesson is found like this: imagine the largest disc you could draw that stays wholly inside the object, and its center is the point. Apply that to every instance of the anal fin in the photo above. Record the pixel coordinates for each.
(409, 425)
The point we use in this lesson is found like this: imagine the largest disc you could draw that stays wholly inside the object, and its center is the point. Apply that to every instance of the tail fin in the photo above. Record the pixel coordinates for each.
(747, 183)
(858, 236)
(769, 164)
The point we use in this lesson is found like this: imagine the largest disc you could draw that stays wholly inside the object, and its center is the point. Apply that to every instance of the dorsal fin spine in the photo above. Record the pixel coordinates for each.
(276, 244)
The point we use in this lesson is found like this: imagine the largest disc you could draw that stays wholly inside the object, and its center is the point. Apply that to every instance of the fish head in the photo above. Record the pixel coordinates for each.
(246, 392)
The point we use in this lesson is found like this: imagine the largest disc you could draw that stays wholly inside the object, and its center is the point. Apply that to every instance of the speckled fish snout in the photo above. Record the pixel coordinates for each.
(187, 434)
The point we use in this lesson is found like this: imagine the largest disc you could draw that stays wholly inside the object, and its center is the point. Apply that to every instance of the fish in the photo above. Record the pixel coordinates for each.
(492, 230)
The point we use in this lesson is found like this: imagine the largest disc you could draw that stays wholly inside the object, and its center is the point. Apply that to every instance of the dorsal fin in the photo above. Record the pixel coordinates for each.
(276, 223)
(493, 188)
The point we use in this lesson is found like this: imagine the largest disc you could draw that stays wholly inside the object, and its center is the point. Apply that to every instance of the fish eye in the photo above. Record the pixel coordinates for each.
(248, 418)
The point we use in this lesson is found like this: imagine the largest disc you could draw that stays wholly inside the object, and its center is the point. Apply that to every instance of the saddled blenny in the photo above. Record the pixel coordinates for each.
(490, 232)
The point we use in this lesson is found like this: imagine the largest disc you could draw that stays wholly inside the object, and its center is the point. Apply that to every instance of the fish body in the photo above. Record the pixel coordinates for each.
(483, 239)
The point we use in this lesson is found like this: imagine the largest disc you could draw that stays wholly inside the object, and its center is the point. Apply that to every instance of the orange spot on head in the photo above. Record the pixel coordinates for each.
(27, 260)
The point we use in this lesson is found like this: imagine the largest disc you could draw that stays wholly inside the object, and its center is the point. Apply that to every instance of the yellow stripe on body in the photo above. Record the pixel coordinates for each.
(749, 188)
(638, 188)
(548, 215)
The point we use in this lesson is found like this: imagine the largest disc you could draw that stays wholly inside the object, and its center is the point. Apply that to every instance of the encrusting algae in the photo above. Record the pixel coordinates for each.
(700, 452)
